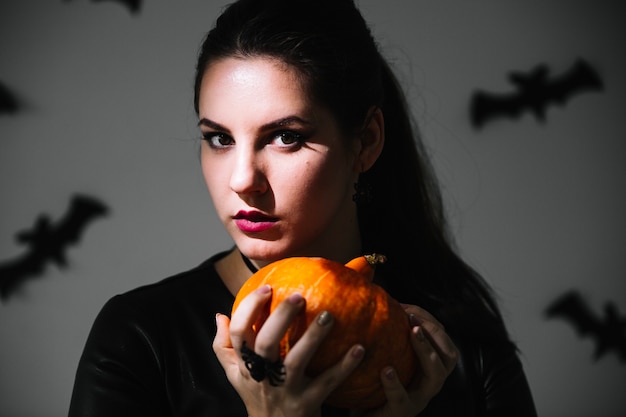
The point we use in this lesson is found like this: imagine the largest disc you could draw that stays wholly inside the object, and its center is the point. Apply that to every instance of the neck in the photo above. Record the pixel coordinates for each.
(233, 270)
(253, 268)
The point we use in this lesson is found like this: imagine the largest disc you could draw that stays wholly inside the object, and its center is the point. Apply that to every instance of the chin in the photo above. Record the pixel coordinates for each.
(261, 250)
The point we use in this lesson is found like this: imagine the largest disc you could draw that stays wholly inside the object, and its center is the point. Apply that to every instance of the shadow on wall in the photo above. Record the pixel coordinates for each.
(608, 332)
(47, 242)
(534, 93)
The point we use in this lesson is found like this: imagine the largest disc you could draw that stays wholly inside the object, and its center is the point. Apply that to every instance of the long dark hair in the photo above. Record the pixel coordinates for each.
(331, 46)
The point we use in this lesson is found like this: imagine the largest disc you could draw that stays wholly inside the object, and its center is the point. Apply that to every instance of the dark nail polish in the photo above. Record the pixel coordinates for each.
(324, 318)
(414, 320)
(420, 334)
(358, 351)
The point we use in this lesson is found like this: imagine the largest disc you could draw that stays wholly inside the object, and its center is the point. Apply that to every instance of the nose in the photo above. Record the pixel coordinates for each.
(247, 176)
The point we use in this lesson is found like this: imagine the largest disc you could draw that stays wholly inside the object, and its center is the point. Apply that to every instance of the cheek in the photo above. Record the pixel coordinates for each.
(321, 187)
(215, 178)
(206, 171)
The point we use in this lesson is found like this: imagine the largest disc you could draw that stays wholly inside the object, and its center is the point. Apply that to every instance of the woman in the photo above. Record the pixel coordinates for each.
(308, 150)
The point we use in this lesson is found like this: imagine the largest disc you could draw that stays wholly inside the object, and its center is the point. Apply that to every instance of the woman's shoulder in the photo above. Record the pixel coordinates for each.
(197, 288)
(200, 276)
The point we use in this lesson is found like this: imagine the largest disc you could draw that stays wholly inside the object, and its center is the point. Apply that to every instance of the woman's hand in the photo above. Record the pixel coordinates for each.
(295, 394)
(437, 356)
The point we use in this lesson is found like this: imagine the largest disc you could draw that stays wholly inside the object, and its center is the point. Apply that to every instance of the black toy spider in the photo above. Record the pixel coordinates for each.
(260, 368)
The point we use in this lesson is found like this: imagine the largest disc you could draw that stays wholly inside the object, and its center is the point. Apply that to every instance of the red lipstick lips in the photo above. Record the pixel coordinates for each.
(253, 221)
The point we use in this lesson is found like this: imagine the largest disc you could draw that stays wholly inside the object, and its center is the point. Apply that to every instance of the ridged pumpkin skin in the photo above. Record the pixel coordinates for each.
(364, 313)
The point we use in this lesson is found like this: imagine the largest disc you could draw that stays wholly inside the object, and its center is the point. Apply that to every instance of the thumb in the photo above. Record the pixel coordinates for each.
(221, 342)
(223, 348)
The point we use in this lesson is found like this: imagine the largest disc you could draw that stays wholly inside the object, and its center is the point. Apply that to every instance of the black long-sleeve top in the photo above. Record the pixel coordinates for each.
(149, 354)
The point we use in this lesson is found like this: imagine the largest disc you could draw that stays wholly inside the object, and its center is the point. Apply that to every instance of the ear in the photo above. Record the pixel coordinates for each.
(370, 140)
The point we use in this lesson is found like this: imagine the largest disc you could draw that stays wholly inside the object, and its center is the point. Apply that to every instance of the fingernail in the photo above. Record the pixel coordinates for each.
(414, 320)
(264, 289)
(324, 318)
(419, 333)
(358, 351)
(217, 316)
(390, 373)
(295, 298)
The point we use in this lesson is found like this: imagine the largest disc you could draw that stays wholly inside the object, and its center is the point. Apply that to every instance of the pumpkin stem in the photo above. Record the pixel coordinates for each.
(375, 259)
(365, 265)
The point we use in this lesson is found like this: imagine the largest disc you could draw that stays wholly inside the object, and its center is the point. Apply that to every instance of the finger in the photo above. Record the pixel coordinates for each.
(417, 315)
(222, 345)
(398, 400)
(442, 343)
(249, 310)
(435, 331)
(330, 379)
(267, 340)
(222, 341)
(433, 370)
(301, 353)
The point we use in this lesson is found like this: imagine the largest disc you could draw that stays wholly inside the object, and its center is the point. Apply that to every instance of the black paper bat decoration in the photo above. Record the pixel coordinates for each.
(133, 5)
(608, 332)
(8, 101)
(47, 243)
(535, 92)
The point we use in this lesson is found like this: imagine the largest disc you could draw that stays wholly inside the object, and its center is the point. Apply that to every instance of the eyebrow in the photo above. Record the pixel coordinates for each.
(285, 121)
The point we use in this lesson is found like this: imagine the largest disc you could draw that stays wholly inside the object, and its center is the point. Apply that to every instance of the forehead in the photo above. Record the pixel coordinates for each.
(245, 93)
(243, 77)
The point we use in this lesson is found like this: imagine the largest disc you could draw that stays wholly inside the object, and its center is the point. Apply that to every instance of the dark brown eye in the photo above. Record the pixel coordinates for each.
(217, 140)
(287, 138)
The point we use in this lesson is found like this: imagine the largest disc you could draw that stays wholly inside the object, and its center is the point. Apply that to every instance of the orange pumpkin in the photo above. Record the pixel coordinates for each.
(363, 312)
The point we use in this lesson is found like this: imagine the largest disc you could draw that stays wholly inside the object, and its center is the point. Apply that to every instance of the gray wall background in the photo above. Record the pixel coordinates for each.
(538, 208)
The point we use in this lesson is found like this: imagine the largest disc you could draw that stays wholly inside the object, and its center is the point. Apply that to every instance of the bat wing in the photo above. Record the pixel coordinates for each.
(132, 5)
(82, 211)
(14, 272)
(8, 101)
(527, 97)
(581, 77)
(487, 106)
(571, 308)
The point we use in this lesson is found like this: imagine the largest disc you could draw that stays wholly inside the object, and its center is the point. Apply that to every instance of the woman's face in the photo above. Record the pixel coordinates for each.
(277, 167)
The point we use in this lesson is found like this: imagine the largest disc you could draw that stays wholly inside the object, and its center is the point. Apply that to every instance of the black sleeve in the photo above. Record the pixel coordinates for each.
(488, 381)
(119, 371)
(506, 389)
